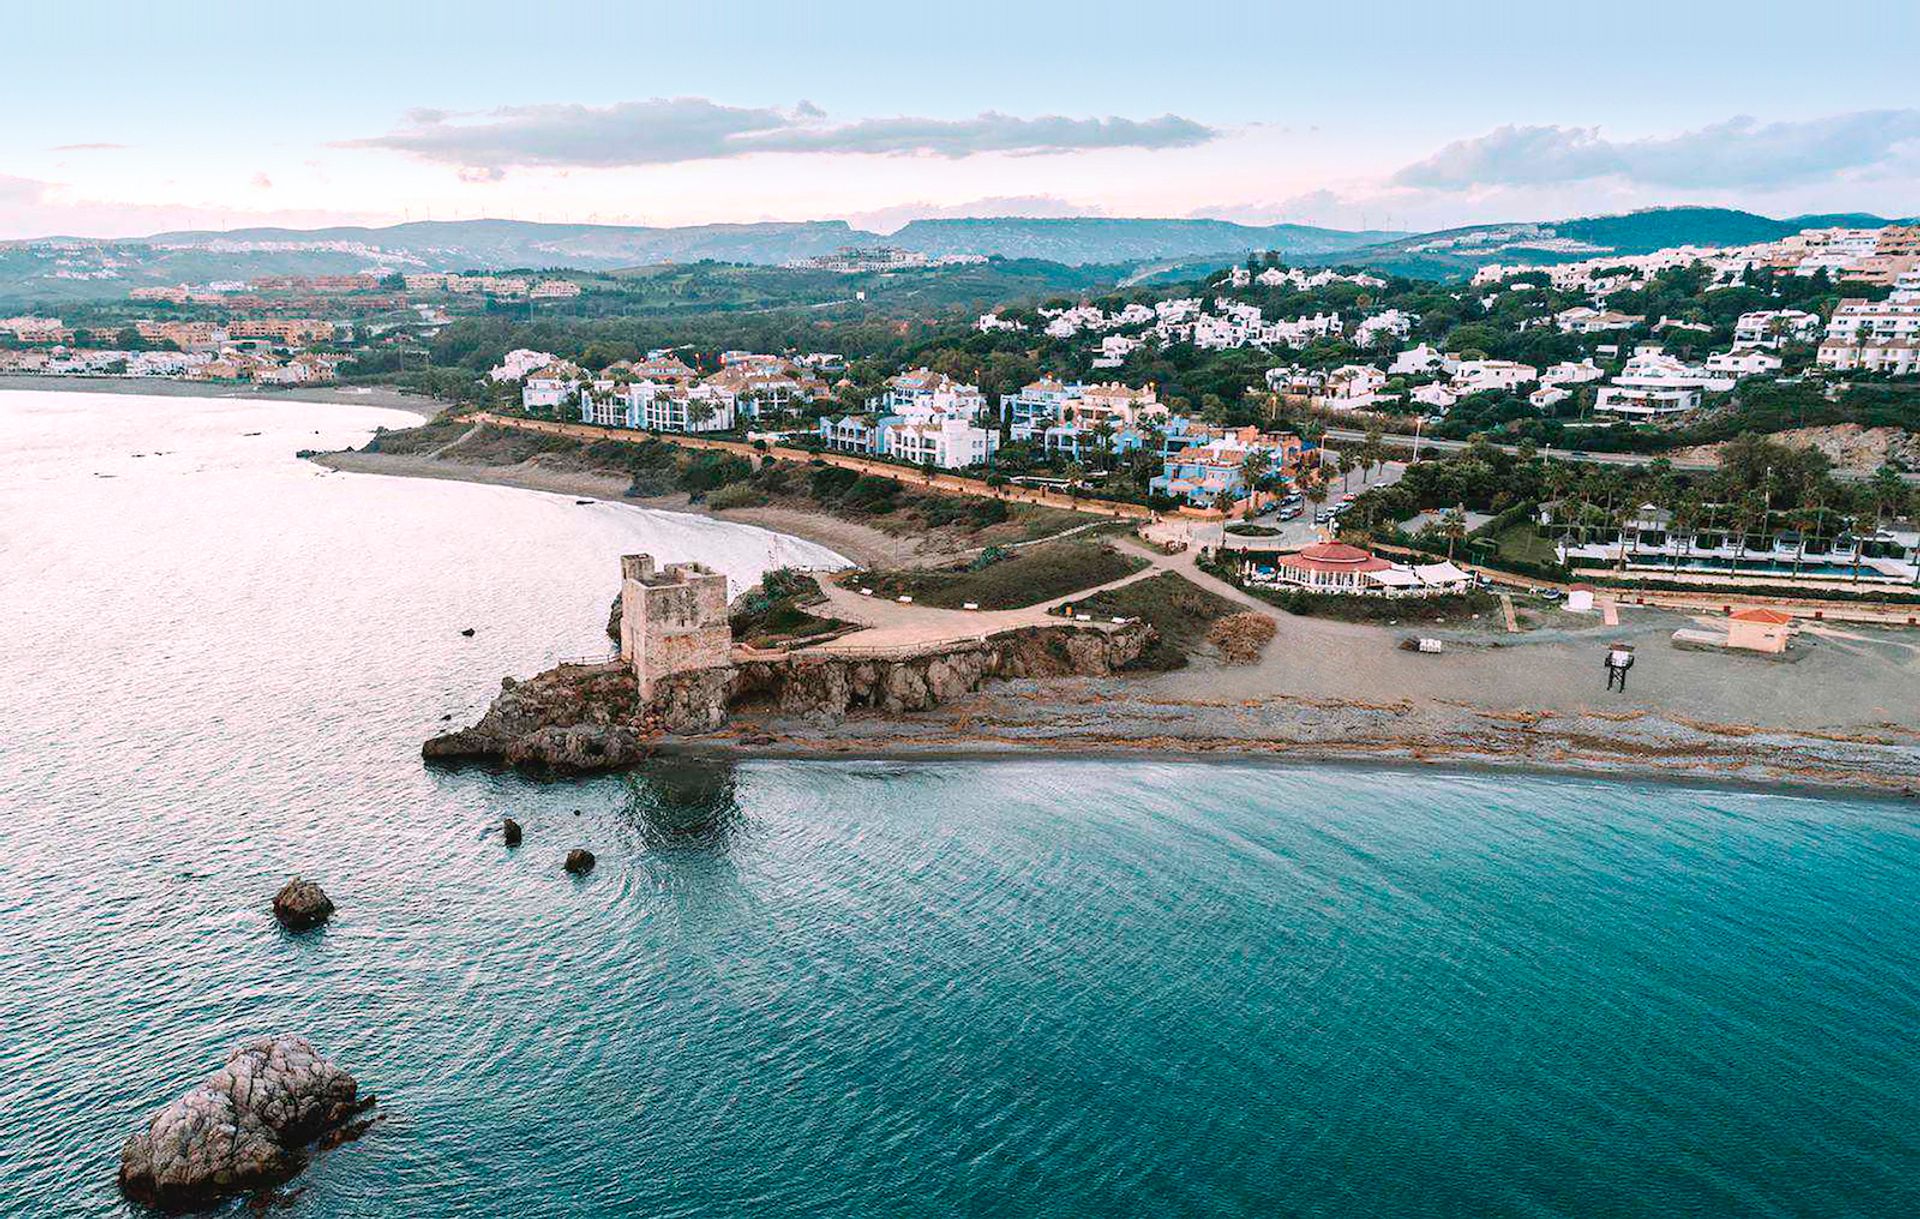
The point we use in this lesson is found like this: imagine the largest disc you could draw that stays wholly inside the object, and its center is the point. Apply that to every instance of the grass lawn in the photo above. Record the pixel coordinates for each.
(1522, 542)
(1026, 577)
(1180, 612)
(1455, 609)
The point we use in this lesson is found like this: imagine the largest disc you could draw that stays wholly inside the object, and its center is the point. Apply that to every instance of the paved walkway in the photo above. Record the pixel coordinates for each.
(892, 626)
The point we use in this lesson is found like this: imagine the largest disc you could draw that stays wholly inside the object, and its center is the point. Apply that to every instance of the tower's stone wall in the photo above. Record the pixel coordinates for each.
(672, 620)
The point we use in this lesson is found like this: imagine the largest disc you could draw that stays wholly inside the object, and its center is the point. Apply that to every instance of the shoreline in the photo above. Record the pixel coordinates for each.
(861, 545)
(161, 387)
(1101, 719)
(1327, 693)
(1297, 759)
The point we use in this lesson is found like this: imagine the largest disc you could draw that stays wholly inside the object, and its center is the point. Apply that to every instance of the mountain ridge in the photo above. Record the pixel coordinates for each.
(45, 265)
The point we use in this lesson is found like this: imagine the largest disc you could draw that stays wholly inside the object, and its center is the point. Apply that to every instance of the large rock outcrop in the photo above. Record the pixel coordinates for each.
(585, 717)
(570, 718)
(246, 1128)
(824, 685)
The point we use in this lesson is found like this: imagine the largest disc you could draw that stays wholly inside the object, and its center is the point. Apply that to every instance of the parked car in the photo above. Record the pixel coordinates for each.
(1289, 514)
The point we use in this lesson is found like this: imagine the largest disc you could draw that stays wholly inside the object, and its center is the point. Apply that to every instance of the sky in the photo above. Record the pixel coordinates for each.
(131, 118)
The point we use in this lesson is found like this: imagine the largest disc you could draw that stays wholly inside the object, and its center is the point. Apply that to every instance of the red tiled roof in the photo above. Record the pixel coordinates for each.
(1334, 557)
(1766, 617)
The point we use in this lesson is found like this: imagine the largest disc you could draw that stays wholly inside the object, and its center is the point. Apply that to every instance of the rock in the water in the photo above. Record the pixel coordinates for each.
(243, 1129)
(511, 832)
(301, 904)
(579, 861)
(468, 632)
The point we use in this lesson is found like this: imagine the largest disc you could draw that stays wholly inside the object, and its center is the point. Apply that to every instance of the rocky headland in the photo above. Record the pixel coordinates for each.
(577, 718)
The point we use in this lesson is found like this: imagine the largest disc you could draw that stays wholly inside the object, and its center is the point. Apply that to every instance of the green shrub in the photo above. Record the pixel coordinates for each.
(736, 495)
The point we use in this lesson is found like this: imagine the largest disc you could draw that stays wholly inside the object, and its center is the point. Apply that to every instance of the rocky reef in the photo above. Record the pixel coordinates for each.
(586, 717)
(246, 1128)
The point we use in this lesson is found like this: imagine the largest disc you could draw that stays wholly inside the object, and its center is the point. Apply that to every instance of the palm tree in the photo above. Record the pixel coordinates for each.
(1253, 469)
(1373, 451)
(1075, 474)
(1453, 527)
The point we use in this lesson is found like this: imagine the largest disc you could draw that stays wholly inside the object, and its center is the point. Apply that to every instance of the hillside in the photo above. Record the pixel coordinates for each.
(464, 244)
(1458, 252)
(1093, 239)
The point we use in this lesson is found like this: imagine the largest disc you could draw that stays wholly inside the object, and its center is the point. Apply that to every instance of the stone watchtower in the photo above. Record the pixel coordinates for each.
(671, 620)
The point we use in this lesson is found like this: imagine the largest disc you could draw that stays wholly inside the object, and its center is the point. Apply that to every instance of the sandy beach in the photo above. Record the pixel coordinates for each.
(1845, 715)
(861, 544)
(355, 395)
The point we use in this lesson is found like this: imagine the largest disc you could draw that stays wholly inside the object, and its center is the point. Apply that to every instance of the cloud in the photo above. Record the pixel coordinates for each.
(31, 208)
(88, 147)
(670, 130)
(260, 181)
(1739, 153)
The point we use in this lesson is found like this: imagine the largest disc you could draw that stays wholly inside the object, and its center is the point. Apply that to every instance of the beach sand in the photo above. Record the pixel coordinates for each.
(862, 544)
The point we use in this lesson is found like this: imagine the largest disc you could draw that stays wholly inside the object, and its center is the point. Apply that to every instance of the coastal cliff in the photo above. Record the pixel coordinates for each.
(590, 717)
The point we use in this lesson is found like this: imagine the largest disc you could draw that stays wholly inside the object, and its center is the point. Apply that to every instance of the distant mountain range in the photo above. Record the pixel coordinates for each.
(1456, 252)
(70, 268)
(461, 244)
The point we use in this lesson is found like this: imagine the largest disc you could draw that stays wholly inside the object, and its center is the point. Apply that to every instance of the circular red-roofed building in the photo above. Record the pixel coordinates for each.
(1332, 567)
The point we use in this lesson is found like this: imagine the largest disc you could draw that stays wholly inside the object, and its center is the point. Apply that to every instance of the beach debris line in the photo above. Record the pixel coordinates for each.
(246, 1128)
(301, 904)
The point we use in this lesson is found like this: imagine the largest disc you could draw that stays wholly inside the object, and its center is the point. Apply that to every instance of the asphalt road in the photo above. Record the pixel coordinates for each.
(1604, 459)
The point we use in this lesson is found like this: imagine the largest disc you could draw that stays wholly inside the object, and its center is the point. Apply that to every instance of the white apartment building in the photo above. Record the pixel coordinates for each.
(1582, 320)
(1639, 401)
(1772, 327)
(1895, 357)
(655, 407)
(518, 363)
(1568, 373)
(545, 390)
(1478, 376)
(1875, 336)
(1416, 361)
(1352, 386)
(1388, 324)
(949, 442)
(1750, 362)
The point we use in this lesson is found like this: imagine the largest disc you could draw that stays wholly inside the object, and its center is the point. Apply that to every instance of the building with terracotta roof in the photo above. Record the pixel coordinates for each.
(1335, 567)
(1759, 629)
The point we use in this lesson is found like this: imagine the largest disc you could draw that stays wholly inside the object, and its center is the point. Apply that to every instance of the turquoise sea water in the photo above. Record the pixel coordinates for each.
(839, 988)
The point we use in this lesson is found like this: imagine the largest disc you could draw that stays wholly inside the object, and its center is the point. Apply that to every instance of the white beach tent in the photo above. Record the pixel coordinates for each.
(1444, 576)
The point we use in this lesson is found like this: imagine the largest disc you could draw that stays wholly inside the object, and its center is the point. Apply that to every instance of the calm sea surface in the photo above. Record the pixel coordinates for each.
(848, 989)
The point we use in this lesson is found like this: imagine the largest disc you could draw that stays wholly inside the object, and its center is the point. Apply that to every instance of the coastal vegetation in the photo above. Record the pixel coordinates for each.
(1182, 614)
(655, 469)
(1024, 577)
(778, 611)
